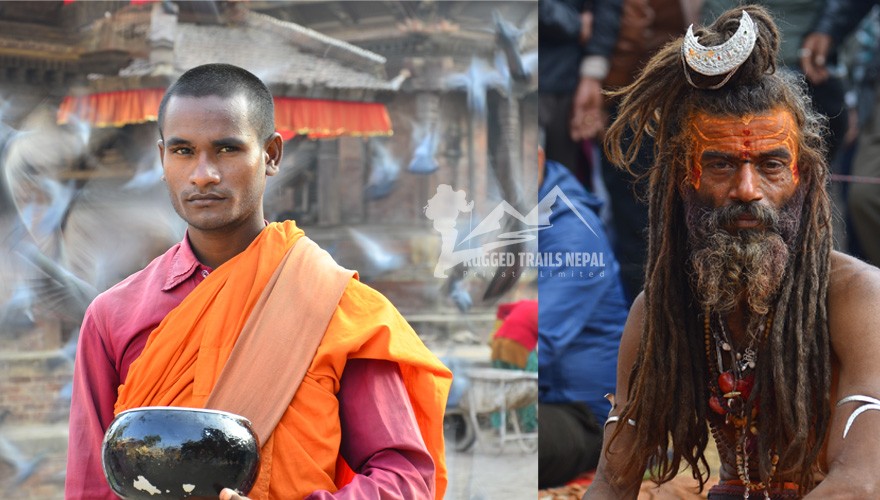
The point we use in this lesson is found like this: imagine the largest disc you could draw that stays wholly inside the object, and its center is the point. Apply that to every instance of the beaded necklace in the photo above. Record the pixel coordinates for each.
(729, 397)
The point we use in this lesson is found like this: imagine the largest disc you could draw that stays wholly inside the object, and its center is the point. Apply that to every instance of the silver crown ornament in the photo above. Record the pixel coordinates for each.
(720, 59)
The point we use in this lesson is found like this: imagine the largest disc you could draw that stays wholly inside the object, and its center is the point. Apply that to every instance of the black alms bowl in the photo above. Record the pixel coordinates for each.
(160, 452)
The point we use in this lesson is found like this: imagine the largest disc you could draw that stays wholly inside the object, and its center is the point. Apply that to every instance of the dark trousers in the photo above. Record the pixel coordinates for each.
(570, 442)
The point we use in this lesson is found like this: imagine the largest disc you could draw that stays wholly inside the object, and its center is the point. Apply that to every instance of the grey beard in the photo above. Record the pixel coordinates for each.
(746, 264)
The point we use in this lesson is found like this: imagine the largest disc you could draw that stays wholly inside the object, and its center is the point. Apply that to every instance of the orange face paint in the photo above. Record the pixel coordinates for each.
(745, 137)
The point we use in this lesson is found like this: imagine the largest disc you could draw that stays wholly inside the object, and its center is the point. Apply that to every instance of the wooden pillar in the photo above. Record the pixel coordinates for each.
(329, 205)
(354, 164)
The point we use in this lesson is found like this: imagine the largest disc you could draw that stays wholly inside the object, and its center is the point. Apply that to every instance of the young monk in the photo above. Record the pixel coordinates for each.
(751, 328)
(366, 420)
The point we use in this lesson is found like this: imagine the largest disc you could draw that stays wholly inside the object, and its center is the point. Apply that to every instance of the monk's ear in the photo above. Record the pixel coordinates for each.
(273, 152)
(161, 145)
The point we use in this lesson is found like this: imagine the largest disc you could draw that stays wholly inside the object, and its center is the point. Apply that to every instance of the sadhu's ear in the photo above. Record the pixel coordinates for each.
(690, 177)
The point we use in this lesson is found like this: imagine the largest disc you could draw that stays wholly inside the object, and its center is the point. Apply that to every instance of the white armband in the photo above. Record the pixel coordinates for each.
(869, 403)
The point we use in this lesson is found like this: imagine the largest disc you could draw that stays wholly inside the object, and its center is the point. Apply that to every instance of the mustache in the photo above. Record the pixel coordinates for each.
(727, 215)
(785, 220)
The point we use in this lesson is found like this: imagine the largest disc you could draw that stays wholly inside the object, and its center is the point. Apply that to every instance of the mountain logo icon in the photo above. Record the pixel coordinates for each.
(502, 227)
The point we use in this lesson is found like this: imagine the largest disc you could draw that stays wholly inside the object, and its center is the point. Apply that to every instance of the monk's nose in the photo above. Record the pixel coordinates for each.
(205, 173)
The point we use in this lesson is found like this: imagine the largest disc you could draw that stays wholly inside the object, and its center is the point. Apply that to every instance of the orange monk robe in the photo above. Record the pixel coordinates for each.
(185, 354)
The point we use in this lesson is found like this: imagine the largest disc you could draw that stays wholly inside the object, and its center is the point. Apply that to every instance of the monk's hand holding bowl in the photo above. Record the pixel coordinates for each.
(230, 494)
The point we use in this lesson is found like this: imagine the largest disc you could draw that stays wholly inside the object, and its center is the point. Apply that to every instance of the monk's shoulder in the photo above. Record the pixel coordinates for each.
(360, 297)
(148, 281)
(366, 307)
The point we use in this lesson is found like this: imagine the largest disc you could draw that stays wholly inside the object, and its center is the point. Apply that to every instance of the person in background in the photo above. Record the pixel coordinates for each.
(836, 21)
(514, 347)
(645, 27)
(581, 313)
(576, 38)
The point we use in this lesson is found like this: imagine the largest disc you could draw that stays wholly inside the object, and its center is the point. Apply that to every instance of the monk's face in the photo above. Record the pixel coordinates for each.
(744, 160)
(215, 164)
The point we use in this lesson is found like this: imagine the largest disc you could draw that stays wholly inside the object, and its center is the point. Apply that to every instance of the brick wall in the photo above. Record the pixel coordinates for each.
(34, 411)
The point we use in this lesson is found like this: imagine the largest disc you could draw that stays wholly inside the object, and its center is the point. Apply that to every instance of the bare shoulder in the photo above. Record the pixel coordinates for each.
(853, 300)
(852, 281)
(637, 310)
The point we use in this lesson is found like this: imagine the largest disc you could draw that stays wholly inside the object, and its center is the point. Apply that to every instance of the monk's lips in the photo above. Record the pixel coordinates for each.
(161, 452)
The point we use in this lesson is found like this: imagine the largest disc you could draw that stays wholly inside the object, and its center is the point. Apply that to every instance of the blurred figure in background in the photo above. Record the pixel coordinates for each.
(514, 346)
(645, 26)
(836, 21)
(576, 38)
(581, 314)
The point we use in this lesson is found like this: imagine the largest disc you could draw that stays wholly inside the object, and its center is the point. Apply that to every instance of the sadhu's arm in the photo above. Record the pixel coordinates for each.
(609, 483)
(853, 454)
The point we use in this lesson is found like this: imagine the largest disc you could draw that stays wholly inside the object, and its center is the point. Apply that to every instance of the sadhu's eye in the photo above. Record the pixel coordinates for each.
(773, 165)
(720, 165)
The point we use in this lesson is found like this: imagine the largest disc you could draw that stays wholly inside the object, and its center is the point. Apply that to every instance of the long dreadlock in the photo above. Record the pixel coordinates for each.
(669, 381)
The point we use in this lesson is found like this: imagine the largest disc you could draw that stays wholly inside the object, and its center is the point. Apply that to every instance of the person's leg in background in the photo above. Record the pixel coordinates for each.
(570, 442)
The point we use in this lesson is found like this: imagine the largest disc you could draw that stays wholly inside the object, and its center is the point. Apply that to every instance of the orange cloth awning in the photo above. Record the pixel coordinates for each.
(315, 118)
(320, 118)
(133, 2)
(112, 109)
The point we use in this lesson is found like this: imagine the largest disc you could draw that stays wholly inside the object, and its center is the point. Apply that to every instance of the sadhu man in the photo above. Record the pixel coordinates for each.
(750, 328)
(366, 419)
